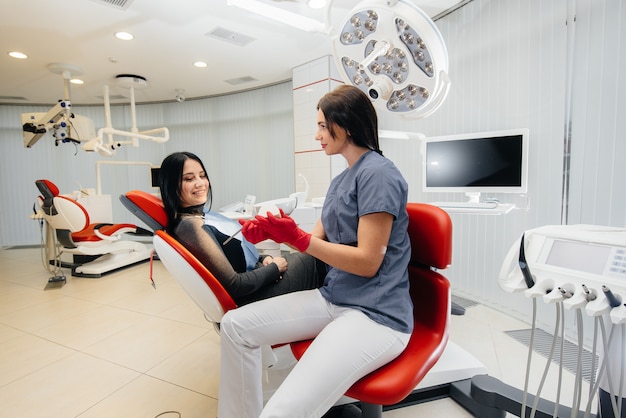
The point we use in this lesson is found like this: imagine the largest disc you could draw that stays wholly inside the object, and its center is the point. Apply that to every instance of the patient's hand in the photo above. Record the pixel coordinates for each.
(281, 262)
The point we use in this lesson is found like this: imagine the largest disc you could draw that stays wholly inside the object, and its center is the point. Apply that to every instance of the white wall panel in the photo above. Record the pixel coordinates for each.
(598, 108)
(245, 140)
(507, 62)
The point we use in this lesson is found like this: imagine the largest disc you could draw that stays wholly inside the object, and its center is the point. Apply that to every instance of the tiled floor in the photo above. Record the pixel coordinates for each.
(117, 347)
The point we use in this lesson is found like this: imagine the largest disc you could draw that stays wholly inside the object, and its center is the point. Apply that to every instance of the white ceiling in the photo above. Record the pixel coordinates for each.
(170, 35)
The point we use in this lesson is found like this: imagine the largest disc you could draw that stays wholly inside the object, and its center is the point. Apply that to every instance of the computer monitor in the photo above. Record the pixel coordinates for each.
(487, 162)
(154, 176)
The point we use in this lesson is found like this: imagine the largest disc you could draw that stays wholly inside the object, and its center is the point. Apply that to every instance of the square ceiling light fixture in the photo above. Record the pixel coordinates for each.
(277, 14)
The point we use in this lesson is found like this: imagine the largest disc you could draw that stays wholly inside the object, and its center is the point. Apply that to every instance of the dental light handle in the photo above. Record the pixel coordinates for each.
(610, 297)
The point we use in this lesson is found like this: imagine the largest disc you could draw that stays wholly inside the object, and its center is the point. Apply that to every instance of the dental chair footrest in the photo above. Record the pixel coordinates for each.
(108, 263)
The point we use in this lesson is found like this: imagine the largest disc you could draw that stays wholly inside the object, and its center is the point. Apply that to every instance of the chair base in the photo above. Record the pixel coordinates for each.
(94, 267)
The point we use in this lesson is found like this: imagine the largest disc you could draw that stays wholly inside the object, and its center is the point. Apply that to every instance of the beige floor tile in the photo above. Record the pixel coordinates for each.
(63, 389)
(91, 327)
(8, 333)
(195, 367)
(105, 290)
(26, 354)
(146, 343)
(151, 301)
(48, 313)
(149, 397)
(14, 297)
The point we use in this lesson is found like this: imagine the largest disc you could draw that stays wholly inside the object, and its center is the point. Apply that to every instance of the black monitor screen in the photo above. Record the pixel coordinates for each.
(479, 162)
(154, 173)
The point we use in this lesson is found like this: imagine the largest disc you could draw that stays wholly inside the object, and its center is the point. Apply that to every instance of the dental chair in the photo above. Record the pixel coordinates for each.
(97, 248)
(430, 231)
(195, 279)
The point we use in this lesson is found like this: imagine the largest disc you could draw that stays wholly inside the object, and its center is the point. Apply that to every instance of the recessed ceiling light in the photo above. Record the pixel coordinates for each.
(19, 55)
(200, 64)
(77, 81)
(124, 36)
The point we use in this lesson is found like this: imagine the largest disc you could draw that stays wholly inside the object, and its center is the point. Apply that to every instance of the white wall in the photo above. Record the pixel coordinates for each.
(245, 141)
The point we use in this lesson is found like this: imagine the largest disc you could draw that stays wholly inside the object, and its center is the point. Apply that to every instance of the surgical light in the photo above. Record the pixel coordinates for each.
(393, 52)
(390, 49)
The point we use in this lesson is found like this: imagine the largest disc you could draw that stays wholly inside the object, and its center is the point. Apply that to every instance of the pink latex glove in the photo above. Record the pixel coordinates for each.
(284, 229)
(252, 231)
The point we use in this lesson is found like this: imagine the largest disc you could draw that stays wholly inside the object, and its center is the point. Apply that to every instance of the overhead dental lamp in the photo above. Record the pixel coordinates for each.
(390, 49)
(393, 52)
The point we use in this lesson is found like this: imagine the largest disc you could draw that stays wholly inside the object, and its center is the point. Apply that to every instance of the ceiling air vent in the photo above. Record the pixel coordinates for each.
(114, 97)
(118, 4)
(12, 98)
(241, 80)
(230, 36)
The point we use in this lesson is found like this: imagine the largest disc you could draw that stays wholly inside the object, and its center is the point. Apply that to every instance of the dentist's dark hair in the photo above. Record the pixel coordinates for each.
(170, 180)
(350, 108)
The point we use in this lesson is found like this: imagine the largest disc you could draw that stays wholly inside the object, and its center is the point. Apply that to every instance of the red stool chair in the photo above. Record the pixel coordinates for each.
(430, 231)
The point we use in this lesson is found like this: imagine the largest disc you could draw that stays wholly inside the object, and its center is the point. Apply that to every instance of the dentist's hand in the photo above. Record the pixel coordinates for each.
(252, 231)
(284, 229)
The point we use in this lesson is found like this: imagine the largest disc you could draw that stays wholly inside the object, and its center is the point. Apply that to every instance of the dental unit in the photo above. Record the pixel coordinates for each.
(578, 268)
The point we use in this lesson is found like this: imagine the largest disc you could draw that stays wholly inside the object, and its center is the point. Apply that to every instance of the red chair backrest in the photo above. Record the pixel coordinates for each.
(430, 231)
(147, 207)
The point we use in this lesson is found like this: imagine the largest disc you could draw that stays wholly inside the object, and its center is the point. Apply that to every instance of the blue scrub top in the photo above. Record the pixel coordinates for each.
(373, 184)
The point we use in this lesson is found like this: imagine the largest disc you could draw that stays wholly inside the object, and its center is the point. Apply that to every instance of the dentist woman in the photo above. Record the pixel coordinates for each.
(361, 318)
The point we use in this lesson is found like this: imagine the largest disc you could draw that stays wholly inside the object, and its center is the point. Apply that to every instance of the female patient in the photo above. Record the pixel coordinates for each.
(362, 316)
(246, 276)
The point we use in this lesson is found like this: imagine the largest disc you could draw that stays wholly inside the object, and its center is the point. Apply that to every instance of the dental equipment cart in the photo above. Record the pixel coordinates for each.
(583, 269)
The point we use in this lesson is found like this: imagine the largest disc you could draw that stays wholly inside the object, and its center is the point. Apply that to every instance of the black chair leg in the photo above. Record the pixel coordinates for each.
(371, 411)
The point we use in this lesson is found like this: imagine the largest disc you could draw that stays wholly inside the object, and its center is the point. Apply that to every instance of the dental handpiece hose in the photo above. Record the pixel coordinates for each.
(588, 295)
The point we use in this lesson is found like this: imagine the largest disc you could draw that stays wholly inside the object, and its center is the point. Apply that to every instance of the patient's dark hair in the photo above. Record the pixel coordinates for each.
(170, 179)
(349, 108)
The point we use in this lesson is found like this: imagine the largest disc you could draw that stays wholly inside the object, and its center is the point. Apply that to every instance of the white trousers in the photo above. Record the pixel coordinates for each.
(348, 345)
